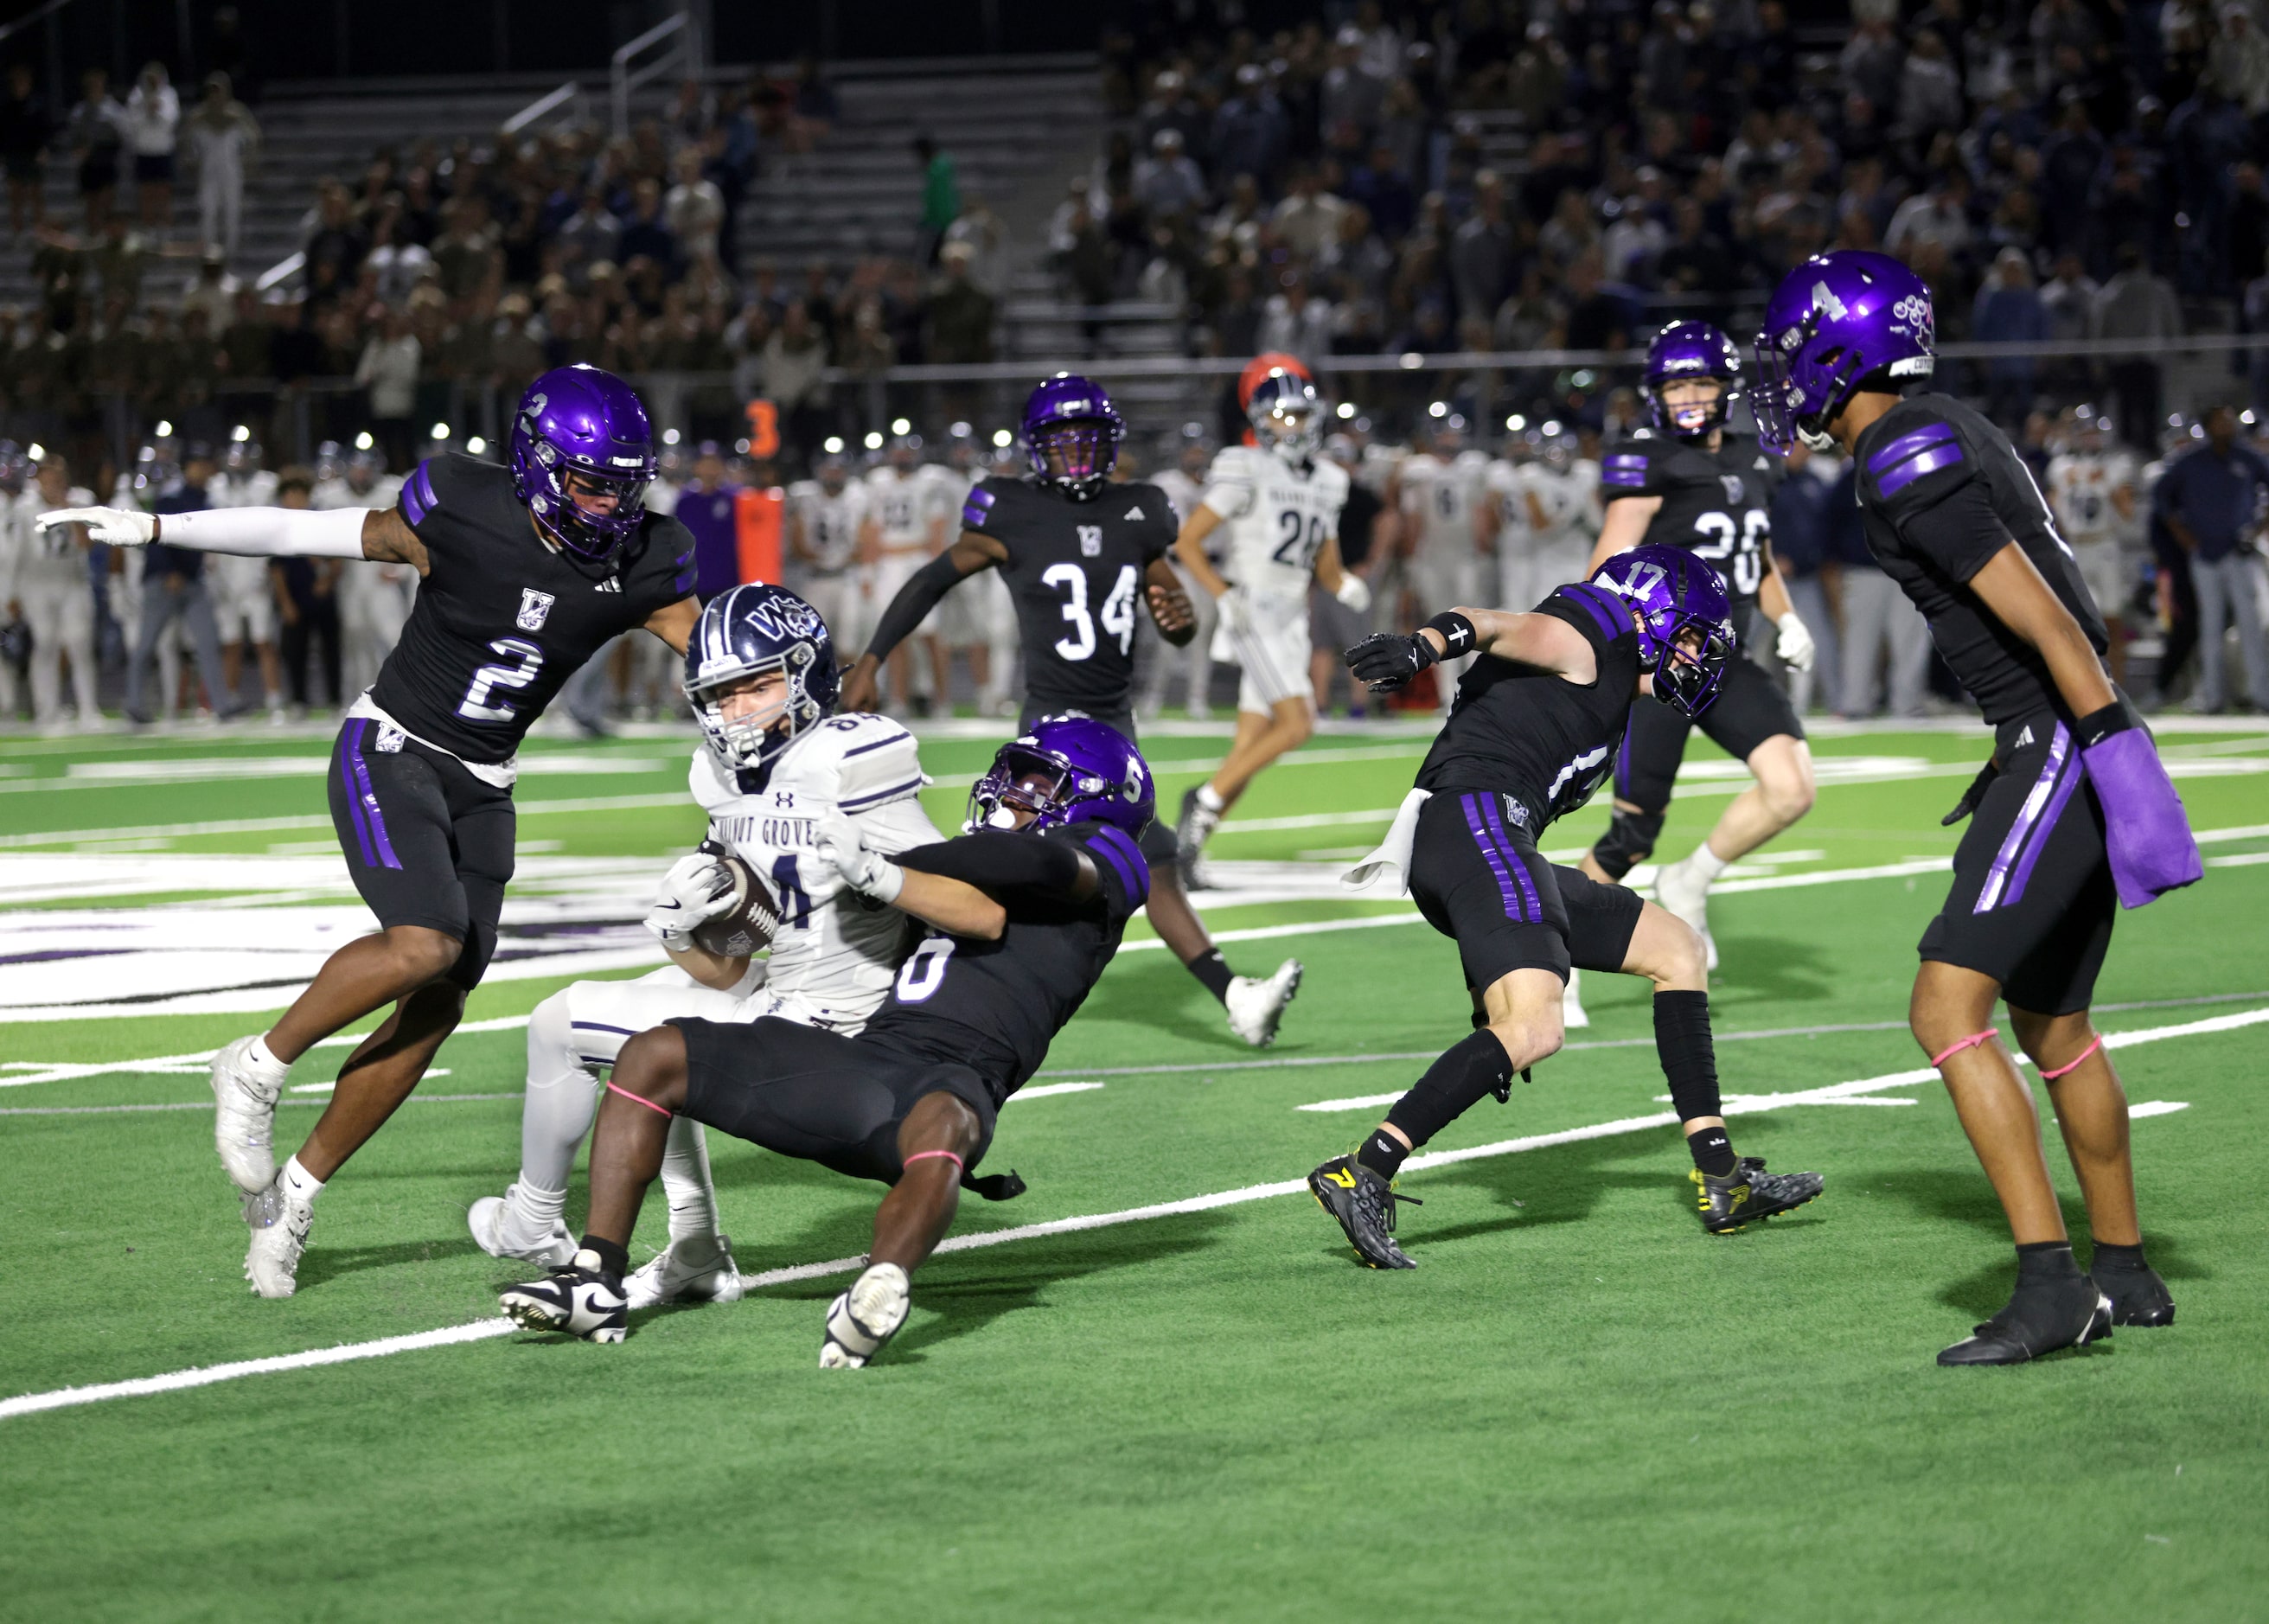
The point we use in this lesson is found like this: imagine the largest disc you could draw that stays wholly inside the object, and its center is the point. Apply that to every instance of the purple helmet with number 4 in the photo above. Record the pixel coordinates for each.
(1835, 322)
(1675, 596)
(1072, 433)
(1687, 350)
(582, 422)
(1096, 775)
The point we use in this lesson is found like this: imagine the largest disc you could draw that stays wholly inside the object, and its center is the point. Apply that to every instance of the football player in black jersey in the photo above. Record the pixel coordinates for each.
(525, 572)
(2072, 817)
(1537, 718)
(1078, 553)
(1692, 483)
(1045, 881)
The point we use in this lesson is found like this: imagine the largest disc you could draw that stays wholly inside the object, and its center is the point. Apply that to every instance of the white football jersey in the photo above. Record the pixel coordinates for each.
(256, 489)
(836, 951)
(830, 523)
(1441, 500)
(902, 504)
(1568, 500)
(31, 557)
(2081, 488)
(1183, 491)
(1377, 467)
(1277, 516)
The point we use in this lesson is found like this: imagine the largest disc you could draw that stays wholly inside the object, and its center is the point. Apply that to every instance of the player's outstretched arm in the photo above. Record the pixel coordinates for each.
(1386, 660)
(1627, 522)
(921, 593)
(256, 532)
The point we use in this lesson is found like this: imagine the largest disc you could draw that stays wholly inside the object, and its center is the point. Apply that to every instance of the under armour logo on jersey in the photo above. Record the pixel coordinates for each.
(613, 583)
(1734, 488)
(1134, 513)
(783, 798)
(534, 609)
(1090, 541)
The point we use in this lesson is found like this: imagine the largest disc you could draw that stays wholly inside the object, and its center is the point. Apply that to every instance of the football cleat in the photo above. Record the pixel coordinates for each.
(244, 1119)
(1364, 1205)
(686, 1271)
(578, 1299)
(279, 1235)
(1256, 1003)
(2139, 1296)
(1686, 894)
(503, 1231)
(865, 1318)
(2039, 1319)
(1572, 1003)
(1748, 1194)
(1192, 829)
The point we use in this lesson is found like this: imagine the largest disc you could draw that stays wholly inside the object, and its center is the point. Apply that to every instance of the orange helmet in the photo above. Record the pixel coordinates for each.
(1259, 367)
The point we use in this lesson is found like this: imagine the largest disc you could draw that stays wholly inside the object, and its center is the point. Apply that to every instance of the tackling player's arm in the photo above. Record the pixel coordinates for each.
(1627, 522)
(956, 884)
(921, 593)
(674, 623)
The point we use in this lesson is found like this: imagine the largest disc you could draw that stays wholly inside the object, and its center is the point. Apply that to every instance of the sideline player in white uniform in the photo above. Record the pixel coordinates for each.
(1185, 488)
(898, 533)
(824, 516)
(2092, 489)
(375, 599)
(47, 580)
(976, 618)
(1449, 523)
(785, 785)
(1558, 492)
(244, 596)
(1282, 506)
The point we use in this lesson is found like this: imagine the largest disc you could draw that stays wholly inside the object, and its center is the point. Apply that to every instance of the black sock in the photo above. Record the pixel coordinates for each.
(1212, 971)
(2128, 1259)
(2045, 1263)
(614, 1260)
(1688, 1056)
(1713, 1152)
(1452, 1084)
(1382, 1153)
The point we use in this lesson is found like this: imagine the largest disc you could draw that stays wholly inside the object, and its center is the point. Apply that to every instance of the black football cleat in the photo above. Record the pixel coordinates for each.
(1193, 828)
(2139, 1296)
(2039, 1319)
(1364, 1205)
(1748, 1194)
(580, 1298)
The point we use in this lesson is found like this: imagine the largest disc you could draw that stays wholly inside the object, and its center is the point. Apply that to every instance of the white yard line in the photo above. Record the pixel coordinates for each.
(64, 1398)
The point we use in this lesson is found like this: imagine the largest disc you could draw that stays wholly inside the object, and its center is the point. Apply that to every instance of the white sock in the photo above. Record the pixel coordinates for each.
(1210, 799)
(1706, 863)
(686, 1181)
(264, 1066)
(300, 1184)
(542, 1208)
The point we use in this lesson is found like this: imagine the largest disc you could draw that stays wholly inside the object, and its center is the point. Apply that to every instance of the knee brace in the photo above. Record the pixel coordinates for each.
(1453, 1085)
(1630, 841)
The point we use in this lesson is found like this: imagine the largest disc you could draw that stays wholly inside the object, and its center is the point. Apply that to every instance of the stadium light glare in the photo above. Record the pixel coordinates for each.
(1516, 423)
(901, 426)
(1411, 361)
(165, 429)
(37, 453)
(874, 441)
(476, 445)
(239, 434)
(670, 437)
(363, 442)
(440, 431)
(1003, 439)
(1347, 410)
(1439, 409)
(1552, 426)
(832, 444)
(959, 431)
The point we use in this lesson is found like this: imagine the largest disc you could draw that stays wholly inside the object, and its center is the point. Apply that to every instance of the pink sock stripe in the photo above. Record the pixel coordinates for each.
(2074, 1064)
(1970, 1042)
(641, 1099)
(924, 1155)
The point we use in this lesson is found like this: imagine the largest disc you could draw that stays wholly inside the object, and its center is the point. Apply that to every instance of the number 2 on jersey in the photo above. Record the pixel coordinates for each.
(527, 659)
(1304, 539)
(1118, 613)
(1748, 572)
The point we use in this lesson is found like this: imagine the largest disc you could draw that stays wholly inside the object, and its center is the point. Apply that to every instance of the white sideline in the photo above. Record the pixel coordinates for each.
(174, 1381)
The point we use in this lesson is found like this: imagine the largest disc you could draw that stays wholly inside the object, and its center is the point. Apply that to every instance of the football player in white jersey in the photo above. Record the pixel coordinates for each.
(785, 785)
(824, 516)
(375, 599)
(1449, 527)
(976, 618)
(1280, 503)
(901, 530)
(2092, 489)
(1558, 492)
(45, 577)
(1184, 484)
(244, 597)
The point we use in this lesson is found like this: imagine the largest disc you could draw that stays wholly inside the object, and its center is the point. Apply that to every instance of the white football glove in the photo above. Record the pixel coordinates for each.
(696, 888)
(120, 526)
(1236, 611)
(1355, 592)
(868, 873)
(1796, 647)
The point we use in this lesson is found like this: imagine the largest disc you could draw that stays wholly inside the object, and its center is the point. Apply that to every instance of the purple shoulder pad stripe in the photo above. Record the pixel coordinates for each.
(1624, 458)
(1906, 445)
(417, 498)
(975, 510)
(1946, 453)
(1593, 599)
(1625, 476)
(1133, 870)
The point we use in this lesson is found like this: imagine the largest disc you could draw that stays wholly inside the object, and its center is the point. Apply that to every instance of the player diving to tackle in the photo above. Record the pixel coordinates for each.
(1694, 483)
(525, 572)
(1282, 505)
(1077, 553)
(1049, 874)
(785, 783)
(1537, 718)
(2073, 817)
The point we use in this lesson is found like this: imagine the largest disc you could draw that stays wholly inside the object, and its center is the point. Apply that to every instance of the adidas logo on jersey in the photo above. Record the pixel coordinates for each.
(1134, 513)
(2024, 738)
(613, 583)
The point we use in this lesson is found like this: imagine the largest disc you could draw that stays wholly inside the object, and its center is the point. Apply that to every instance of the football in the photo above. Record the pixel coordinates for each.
(747, 926)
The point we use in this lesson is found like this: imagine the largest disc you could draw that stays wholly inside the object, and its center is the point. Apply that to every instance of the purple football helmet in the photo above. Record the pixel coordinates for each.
(1833, 321)
(581, 421)
(1072, 433)
(1690, 350)
(1097, 776)
(1674, 593)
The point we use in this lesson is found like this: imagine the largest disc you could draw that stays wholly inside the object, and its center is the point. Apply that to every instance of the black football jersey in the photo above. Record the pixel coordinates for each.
(1540, 738)
(995, 1006)
(501, 620)
(1941, 490)
(1718, 505)
(1075, 570)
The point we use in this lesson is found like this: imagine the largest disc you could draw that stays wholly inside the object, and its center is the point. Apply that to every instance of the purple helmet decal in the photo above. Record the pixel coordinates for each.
(1675, 593)
(747, 631)
(1072, 433)
(1098, 777)
(1834, 320)
(578, 420)
(1690, 350)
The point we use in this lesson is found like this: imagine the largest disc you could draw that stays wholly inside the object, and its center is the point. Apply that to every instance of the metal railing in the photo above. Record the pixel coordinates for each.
(569, 95)
(684, 57)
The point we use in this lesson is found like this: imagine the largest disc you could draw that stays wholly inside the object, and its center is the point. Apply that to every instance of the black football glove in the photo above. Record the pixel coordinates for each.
(1972, 796)
(1384, 661)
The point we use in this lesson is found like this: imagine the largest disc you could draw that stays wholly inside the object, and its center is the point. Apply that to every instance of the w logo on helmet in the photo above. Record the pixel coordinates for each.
(785, 617)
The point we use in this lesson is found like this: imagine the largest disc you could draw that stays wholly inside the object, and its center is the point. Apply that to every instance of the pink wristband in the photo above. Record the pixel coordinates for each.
(2073, 1065)
(1970, 1042)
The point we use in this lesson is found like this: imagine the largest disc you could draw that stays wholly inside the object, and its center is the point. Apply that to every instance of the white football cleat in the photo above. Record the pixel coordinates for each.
(576, 1299)
(1256, 1006)
(502, 1230)
(244, 1119)
(864, 1317)
(705, 1273)
(1572, 1002)
(279, 1235)
(1678, 888)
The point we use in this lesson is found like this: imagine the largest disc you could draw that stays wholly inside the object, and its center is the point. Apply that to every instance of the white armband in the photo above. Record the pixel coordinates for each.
(267, 532)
